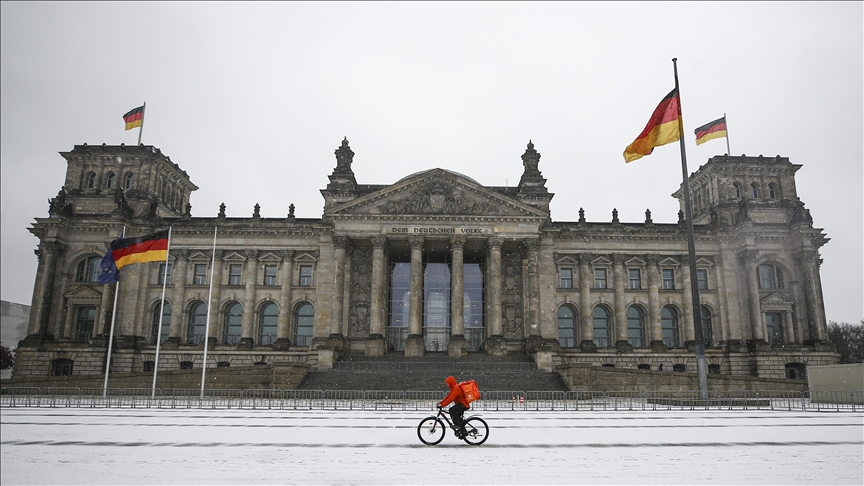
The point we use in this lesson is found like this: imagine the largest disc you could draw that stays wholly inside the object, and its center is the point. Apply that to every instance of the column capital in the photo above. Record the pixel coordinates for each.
(531, 244)
(653, 258)
(286, 254)
(52, 247)
(585, 258)
(250, 254)
(457, 241)
(494, 242)
(618, 258)
(416, 242)
(749, 256)
(379, 241)
(341, 241)
(180, 253)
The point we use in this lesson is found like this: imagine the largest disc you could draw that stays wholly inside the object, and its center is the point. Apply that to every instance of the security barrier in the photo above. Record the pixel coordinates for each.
(181, 398)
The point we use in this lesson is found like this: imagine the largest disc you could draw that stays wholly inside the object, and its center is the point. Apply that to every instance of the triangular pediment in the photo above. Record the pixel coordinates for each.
(83, 293)
(777, 298)
(436, 192)
(268, 256)
(198, 255)
(669, 262)
(601, 261)
(304, 257)
(635, 262)
(233, 255)
(704, 262)
(566, 260)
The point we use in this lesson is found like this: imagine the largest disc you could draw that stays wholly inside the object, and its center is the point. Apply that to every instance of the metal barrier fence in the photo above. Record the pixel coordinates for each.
(447, 366)
(178, 398)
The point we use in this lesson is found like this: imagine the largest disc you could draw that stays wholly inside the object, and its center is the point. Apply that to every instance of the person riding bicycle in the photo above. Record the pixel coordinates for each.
(460, 405)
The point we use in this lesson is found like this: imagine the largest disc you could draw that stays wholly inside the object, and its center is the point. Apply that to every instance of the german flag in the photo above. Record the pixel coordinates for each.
(662, 128)
(134, 118)
(711, 130)
(150, 248)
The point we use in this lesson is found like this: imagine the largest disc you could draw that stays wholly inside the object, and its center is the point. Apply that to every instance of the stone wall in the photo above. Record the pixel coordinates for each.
(584, 377)
(286, 376)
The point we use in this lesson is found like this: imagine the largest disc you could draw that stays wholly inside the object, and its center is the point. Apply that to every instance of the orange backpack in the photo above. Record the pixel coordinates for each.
(470, 390)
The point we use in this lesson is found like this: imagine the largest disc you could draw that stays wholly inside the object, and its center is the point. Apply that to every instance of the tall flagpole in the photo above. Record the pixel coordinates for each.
(701, 366)
(209, 306)
(111, 334)
(728, 150)
(161, 315)
(141, 127)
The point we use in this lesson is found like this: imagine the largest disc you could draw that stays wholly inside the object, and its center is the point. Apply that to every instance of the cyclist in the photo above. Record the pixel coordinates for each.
(460, 405)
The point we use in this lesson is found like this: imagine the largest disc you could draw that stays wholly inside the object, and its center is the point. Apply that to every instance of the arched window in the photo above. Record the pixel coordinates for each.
(127, 181)
(707, 336)
(166, 322)
(89, 270)
(669, 326)
(303, 324)
(736, 190)
(772, 190)
(566, 327)
(755, 191)
(91, 181)
(770, 277)
(774, 326)
(267, 322)
(85, 319)
(233, 323)
(602, 330)
(109, 180)
(635, 327)
(197, 323)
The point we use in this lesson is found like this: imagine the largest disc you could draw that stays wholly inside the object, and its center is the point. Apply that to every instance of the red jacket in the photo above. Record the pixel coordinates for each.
(456, 394)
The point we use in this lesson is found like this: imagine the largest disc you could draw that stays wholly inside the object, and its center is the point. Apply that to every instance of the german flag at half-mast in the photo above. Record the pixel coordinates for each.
(150, 248)
(134, 118)
(662, 128)
(711, 130)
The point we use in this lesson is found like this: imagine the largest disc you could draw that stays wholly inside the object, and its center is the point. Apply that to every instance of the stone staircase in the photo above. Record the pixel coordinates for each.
(515, 372)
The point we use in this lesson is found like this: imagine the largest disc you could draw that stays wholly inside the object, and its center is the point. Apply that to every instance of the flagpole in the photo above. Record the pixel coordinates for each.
(728, 150)
(141, 127)
(111, 334)
(161, 315)
(701, 366)
(209, 306)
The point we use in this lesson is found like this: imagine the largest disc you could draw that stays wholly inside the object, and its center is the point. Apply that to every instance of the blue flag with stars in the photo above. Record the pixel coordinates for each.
(109, 273)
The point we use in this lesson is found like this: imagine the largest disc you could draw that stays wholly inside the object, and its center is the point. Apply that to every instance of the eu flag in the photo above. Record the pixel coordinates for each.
(109, 273)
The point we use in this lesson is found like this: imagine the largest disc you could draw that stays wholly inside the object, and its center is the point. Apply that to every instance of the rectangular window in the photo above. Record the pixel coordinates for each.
(163, 278)
(566, 278)
(269, 274)
(635, 278)
(599, 278)
(668, 279)
(235, 274)
(702, 279)
(305, 275)
(200, 276)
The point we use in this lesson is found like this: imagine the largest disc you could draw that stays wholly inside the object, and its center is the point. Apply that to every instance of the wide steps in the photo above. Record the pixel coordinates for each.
(395, 372)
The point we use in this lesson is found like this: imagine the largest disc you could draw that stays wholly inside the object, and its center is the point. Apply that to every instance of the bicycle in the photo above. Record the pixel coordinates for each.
(431, 429)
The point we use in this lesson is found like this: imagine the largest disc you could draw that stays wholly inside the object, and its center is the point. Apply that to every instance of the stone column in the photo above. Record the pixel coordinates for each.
(375, 343)
(620, 305)
(756, 328)
(586, 319)
(730, 311)
(178, 298)
(59, 318)
(216, 324)
(336, 340)
(283, 328)
(248, 323)
(655, 330)
(458, 346)
(495, 344)
(532, 312)
(688, 333)
(814, 302)
(103, 323)
(414, 345)
(40, 307)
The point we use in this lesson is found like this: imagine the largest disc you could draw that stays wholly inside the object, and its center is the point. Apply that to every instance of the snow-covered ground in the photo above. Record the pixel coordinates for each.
(164, 446)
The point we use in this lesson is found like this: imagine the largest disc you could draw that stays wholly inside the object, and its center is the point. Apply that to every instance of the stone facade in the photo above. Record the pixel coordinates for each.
(434, 263)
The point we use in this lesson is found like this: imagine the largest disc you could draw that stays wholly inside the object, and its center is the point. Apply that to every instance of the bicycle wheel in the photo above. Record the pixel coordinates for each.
(431, 430)
(476, 431)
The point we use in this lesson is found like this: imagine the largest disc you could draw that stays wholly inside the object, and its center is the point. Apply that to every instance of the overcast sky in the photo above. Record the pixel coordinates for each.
(251, 100)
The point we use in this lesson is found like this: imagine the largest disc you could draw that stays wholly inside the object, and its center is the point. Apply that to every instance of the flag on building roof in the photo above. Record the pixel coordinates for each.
(109, 273)
(662, 128)
(711, 130)
(149, 248)
(134, 117)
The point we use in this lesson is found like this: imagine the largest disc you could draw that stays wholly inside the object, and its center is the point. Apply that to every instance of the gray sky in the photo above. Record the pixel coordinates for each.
(252, 99)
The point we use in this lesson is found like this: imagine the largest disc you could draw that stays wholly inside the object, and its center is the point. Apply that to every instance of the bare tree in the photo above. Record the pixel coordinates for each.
(848, 338)
(7, 359)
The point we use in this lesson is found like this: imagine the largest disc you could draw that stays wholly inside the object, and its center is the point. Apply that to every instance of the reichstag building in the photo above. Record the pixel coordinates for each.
(433, 263)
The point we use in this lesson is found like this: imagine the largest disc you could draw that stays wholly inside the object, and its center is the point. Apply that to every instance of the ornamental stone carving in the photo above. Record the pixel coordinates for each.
(438, 197)
(361, 291)
(511, 294)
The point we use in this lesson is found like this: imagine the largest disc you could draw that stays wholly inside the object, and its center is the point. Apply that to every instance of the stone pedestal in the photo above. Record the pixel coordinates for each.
(415, 347)
(533, 343)
(543, 359)
(659, 347)
(458, 347)
(245, 344)
(624, 347)
(35, 340)
(588, 347)
(171, 343)
(282, 344)
(496, 346)
(758, 345)
(326, 357)
(375, 346)
(337, 343)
